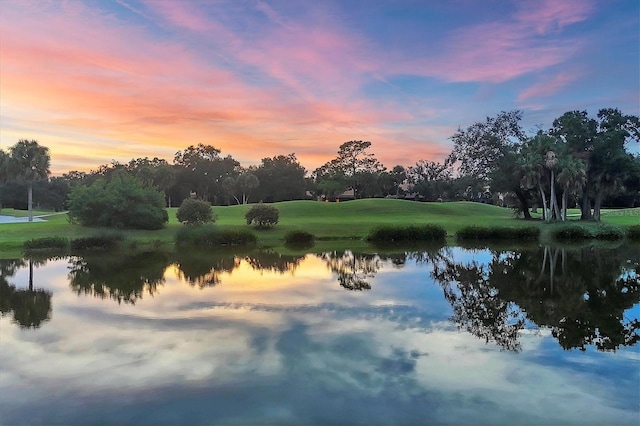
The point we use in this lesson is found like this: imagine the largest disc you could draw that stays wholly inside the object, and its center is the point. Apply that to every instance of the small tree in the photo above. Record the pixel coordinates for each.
(262, 216)
(28, 162)
(195, 212)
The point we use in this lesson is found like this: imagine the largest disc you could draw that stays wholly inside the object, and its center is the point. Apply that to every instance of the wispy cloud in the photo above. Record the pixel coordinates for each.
(547, 86)
(529, 40)
(550, 15)
(264, 78)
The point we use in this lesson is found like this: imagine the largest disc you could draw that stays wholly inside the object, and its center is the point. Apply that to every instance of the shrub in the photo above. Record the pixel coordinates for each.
(498, 233)
(633, 232)
(407, 233)
(47, 243)
(195, 212)
(609, 233)
(262, 216)
(299, 238)
(569, 233)
(104, 241)
(122, 202)
(209, 235)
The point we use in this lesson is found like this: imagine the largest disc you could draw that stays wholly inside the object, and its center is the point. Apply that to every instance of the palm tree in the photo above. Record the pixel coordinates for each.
(29, 162)
(550, 162)
(538, 156)
(530, 170)
(572, 177)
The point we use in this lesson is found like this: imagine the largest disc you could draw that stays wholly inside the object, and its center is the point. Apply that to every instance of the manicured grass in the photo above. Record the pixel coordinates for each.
(612, 216)
(347, 221)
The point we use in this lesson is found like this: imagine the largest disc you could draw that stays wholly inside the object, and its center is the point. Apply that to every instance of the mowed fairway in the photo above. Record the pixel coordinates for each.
(354, 219)
(328, 221)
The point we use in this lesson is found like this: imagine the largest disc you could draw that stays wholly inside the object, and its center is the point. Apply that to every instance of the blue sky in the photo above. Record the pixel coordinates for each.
(98, 81)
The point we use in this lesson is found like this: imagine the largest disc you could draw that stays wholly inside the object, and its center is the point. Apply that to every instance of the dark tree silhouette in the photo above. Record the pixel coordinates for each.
(353, 270)
(551, 287)
(476, 305)
(31, 307)
(202, 268)
(122, 277)
(267, 260)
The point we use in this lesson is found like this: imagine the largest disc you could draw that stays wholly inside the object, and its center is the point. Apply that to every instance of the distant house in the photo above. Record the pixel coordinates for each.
(347, 195)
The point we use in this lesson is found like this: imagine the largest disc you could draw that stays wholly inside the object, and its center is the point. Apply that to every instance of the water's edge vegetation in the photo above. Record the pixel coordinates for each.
(379, 220)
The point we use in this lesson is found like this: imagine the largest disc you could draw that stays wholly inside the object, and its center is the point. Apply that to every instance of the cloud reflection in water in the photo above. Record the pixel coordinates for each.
(279, 346)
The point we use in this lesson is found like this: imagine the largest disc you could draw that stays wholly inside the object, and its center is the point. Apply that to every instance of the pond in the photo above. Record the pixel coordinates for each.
(537, 335)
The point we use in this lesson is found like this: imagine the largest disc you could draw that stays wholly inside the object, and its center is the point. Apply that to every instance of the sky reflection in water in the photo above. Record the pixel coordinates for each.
(333, 338)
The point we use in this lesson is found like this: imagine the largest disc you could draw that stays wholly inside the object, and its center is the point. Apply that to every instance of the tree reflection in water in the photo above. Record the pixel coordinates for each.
(123, 277)
(268, 260)
(581, 294)
(31, 307)
(202, 268)
(353, 270)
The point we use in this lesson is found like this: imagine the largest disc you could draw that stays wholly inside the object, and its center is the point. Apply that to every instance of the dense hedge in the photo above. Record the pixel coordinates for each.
(571, 233)
(46, 243)
(299, 238)
(391, 233)
(578, 233)
(633, 232)
(105, 241)
(498, 233)
(609, 233)
(210, 235)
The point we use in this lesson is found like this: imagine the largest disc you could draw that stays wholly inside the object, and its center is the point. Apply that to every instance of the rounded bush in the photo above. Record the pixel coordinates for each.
(262, 216)
(195, 212)
(633, 232)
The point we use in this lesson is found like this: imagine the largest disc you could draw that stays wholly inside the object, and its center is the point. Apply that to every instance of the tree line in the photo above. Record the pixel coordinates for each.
(580, 161)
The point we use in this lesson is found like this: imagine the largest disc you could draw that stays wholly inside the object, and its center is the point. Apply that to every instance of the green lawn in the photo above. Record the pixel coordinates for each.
(613, 216)
(328, 221)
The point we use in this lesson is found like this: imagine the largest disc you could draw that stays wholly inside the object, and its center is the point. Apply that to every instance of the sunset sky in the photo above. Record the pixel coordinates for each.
(97, 81)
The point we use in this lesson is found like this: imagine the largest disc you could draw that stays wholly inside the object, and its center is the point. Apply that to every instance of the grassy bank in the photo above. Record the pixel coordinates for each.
(327, 221)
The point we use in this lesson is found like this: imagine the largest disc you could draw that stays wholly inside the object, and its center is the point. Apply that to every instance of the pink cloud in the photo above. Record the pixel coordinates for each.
(181, 14)
(546, 87)
(120, 93)
(550, 15)
(502, 50)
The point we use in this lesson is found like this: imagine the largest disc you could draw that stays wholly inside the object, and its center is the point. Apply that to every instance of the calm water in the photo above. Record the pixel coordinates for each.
(456, 336)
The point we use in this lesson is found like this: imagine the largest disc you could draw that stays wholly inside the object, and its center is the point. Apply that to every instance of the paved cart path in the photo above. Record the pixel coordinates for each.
(15, 219)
